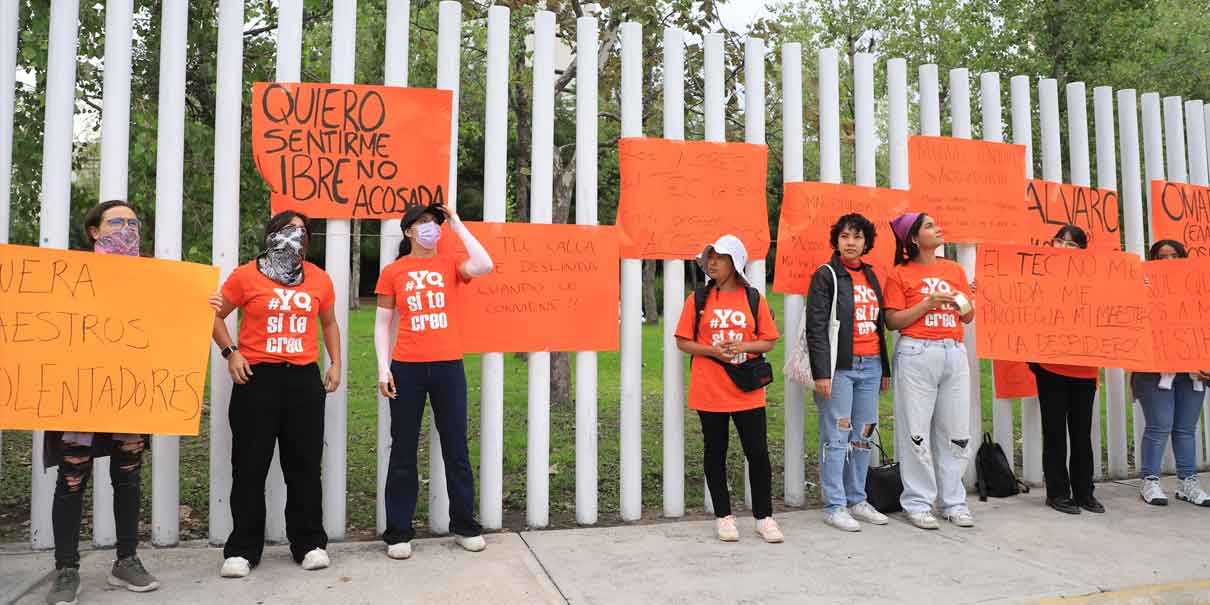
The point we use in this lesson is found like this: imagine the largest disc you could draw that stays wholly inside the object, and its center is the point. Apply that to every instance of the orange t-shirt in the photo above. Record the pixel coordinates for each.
(911, 283)
(726, 317)
(1086, 372)
(865, 315)
(279, 323)
(426, 294)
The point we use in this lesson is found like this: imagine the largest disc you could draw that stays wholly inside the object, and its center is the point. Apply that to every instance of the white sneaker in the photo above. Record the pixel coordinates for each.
(316, 559)
(961, 516)
(1152, 493)
(842, 520)
(235, 567)
(864, 511)
(767, 528)
(472, 543)
(1190, 490)
(924, 520)
(725, 526)
(399, 550)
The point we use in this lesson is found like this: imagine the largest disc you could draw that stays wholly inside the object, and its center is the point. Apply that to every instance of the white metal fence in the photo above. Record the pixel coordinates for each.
(1174, 147)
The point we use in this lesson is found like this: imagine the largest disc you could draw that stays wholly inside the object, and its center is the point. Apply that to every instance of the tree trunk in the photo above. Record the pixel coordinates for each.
(355, 273)
(564, 190)
(651, 313)
(520, 104)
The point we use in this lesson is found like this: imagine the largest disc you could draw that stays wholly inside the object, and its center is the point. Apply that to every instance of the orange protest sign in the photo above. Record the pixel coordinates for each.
(808, 211)
(554, 288)
(1181, 212)
(1053, 205)
(1177, 292)
(678, 196)
(351, 151)
(973, 188)
(1059, 305)
(1014, 379)
(102, 343)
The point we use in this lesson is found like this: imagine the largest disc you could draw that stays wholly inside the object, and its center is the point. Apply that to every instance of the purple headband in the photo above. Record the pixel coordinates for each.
(902, 224)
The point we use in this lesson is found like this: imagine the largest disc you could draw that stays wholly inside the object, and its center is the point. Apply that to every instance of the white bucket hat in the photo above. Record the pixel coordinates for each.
(731, 246)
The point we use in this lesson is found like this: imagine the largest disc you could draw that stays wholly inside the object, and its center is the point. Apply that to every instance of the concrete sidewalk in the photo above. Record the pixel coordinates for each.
(1020, 551)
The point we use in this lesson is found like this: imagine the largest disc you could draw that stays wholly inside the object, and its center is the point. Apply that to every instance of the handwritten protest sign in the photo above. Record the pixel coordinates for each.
(1059, 305)
(973, 188)
(1178, 293)
(554, 288)
(678, 196)
(1181, 212)
(351, 151)
(1053, 205)
(808, 211)
(102, 343)
(1013, 379)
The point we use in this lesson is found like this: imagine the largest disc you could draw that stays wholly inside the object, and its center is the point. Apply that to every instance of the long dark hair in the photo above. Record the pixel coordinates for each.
(906, 251)
(1077, 234)
(285, 217)
(92, 218)
(1171, 243)
(405, 247)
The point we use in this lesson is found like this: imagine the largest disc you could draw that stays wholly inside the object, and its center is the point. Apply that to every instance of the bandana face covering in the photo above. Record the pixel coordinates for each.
(427, 235)
(124, 241)
(282, 259)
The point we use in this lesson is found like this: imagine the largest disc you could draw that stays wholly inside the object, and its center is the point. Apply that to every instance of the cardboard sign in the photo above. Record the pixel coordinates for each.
(1181, 212)
(1058, 305)
(1053, 205)
(1178, 292)
(554, 288)
(1014, 379)
(972, 188)
(102, 343)
(351, 151)
(679, 196)
(808, 211)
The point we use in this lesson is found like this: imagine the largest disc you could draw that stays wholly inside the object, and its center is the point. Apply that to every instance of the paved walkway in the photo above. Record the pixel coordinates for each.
(1019, 552)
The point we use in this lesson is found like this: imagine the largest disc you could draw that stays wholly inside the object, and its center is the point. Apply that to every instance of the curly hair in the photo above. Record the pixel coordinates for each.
(857, 223)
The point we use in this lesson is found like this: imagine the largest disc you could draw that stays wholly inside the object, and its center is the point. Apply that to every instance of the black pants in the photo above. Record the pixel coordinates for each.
(75, 468)
(1066, 405)
(282, 404)
(443, 383)
(753, 435)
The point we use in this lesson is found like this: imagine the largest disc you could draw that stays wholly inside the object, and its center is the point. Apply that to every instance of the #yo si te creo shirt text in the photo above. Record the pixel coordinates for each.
(425, 291)
(279, 323)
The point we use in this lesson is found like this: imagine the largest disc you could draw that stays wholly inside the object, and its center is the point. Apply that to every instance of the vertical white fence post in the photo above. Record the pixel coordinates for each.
(897, 142)
(1174, 146)
(674, 295)
(1133, 219)
(1153, 167)
(713, 104)
(865, 142)
(992, 115)
(495, 201)
(792, 170)
(537, 491)
(8, 80)
(1195, 135)
(169, 200)
(829, 143)
(960, 127)
(115, 156)
(631, 450)
(587, 41)
(754, 132)
(930, 108)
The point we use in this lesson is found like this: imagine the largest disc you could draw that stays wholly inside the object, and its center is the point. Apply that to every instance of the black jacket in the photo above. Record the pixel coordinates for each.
(819, 308)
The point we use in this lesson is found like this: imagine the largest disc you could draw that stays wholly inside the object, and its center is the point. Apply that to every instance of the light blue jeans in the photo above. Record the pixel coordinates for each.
(845, 450)
(1168, 412)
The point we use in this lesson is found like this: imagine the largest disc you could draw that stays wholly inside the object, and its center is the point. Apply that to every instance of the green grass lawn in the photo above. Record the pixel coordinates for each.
(362, 414)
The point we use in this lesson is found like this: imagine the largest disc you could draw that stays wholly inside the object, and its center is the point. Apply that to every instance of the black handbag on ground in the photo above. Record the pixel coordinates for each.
(994, 475)
(883, 484)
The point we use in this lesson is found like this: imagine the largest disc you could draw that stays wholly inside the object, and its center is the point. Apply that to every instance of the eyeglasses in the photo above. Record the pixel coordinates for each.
(1065, 243)
(122, 222)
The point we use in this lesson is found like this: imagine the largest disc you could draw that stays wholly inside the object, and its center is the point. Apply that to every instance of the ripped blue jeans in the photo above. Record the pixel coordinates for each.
(846, 423)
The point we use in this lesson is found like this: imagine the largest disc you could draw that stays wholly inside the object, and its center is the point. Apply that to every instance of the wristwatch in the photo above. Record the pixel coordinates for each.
(226, 352)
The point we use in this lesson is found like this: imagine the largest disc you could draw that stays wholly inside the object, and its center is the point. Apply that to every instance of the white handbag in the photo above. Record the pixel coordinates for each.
(798, 355)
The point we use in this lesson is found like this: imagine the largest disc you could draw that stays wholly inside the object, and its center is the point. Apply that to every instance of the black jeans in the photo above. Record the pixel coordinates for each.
(444, 384)
(1066, 405)
(75, 468)
(753, 436)
(282, 404)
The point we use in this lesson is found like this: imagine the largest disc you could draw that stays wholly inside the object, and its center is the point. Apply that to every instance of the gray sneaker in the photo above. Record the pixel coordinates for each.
(130, 574)
(65, 587)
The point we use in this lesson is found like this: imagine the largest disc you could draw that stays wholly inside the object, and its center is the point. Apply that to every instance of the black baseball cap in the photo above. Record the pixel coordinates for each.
(414, 213)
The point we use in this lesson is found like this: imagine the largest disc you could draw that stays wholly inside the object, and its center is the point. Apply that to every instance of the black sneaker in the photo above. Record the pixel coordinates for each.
(1063, 505)
(1092, 505)
(130, 574)
(65, 588)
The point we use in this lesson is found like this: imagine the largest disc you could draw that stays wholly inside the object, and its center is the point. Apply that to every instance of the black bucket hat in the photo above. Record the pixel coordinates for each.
(414, 213)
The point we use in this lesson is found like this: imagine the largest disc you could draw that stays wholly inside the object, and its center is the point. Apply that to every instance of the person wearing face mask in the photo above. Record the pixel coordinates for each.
(109, 228)
(279, 393)
(424, 285)
(847, 387)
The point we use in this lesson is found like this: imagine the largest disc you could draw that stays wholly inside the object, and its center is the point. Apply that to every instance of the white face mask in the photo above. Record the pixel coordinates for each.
(428, 234)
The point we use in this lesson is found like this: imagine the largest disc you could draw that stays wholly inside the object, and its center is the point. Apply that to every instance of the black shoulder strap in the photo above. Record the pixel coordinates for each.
(699, 304)
(754, 306)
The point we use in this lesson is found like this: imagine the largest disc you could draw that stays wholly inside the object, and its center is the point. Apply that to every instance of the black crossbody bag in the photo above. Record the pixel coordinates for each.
(753, 374)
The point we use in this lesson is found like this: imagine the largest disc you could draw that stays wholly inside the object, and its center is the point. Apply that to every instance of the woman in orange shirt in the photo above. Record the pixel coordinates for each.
(1065, 395)
(733, 326)
(928, 300)
(279, 394)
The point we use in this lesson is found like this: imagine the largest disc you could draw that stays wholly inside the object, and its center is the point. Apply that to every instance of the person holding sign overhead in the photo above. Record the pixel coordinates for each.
(1065, 396)
(847, 386)
(279, 393)
(424, 284)
(927, 300)
(727, 327)
(1172, 405)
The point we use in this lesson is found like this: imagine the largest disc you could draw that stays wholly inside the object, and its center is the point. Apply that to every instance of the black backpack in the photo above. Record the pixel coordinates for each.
(994, 475)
